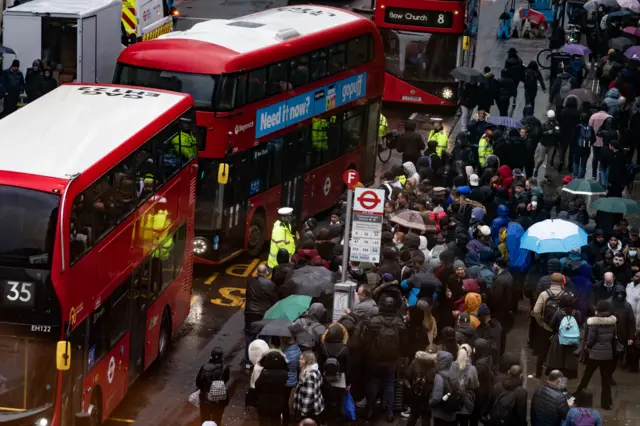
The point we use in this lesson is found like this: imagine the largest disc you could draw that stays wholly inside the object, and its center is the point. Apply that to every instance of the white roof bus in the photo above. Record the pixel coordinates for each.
(260, 82)
(97, 199)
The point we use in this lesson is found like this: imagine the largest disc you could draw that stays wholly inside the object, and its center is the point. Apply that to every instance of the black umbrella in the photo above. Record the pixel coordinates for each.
(466, 74)
(620, 43)
(271, 328)
(7, 50)
(310, 281)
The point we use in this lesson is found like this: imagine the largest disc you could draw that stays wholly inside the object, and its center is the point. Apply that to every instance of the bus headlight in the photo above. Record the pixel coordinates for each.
(200, 246)
(42, 422)
(447, 93)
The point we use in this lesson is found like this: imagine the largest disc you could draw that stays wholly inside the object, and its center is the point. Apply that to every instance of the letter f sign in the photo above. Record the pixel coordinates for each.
(351, 178)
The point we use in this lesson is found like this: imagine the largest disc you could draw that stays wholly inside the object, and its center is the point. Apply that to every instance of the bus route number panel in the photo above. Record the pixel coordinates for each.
(419, 18)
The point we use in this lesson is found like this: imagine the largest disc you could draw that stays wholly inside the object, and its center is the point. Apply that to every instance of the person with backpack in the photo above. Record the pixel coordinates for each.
(563, 84)
(308, 329)
(514, 67)
(549, 142)
(333, 361)
(566, 324)
(271, 388)
(420, 376)
(546, 306)
(600, 347)
(608, 69)
(385, 338)
(549, 405)
(583, 415)
(578, 69)
(468, 376)
(597, 121)
(532, 76)
(586, 137)
(447, 396)
(509, 400)
(213, 397)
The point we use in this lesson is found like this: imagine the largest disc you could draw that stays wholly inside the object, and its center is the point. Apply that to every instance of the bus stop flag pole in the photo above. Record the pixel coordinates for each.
(351, 179)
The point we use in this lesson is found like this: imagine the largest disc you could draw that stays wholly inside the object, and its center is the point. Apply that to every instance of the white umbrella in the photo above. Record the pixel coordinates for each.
(553, 236)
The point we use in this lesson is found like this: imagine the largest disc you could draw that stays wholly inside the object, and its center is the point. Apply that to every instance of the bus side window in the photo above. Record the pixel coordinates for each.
(180, 242)
(337, 59)
(371, 48)
(256, 85)
(145, 172)
(98, 336)
(277, 79)
(275, 152)
(351, 134)
(241, 90)
(124, 188)
(227, 93)
(357, 52)
(318, 65)
(119, 310)
(299, 69)
(81, 233)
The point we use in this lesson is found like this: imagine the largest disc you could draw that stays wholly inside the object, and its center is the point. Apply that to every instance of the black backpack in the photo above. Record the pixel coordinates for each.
(419, 385)
(386, 344)
(331, 370)
(551, 307)
(502, 409)
(456, 395)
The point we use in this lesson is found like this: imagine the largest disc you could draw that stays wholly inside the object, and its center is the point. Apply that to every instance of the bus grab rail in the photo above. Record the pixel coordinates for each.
(62, 202)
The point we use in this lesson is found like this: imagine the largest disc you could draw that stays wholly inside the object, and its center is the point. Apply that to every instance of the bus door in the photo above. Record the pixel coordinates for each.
(293, 166)
(140, 285)
(236, 199)
(71, 400)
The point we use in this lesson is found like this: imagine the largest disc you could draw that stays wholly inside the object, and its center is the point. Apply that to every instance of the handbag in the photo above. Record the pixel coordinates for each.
(349, 407)
(194, 399)
(217, 391)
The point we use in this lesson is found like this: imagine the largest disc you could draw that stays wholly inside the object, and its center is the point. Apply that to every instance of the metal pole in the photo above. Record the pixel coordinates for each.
(347, 236)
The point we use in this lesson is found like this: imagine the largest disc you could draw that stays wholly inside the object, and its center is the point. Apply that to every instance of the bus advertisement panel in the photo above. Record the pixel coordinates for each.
(423, 42)
(287, 99)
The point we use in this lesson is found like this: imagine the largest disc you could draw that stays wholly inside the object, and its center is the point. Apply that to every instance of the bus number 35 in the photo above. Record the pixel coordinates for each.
(19, 291)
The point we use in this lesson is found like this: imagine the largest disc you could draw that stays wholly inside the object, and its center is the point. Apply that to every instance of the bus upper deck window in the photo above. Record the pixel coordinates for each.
(337, 58)
(299, 69)
(318, 65)
(256, 85)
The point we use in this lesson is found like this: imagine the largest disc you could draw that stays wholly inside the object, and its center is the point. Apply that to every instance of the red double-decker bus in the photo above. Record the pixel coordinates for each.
(288, 98)
(97, 201)
(424, 40)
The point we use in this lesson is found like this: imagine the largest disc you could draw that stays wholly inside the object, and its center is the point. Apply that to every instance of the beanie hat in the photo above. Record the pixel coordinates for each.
(484, 310)
(458, 264)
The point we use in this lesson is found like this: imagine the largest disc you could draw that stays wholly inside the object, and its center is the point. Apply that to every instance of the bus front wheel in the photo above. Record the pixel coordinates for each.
(257, 235)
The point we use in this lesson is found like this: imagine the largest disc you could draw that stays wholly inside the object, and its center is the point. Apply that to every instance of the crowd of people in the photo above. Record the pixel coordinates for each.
(38, 82)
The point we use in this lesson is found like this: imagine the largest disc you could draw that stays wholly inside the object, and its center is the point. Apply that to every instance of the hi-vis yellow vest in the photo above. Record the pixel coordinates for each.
(281, 237)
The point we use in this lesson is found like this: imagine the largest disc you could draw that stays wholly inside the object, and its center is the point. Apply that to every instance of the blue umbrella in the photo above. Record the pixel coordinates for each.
(620, 14)
(633, 53)
(504, 121)
(576, 49)
(553, 236)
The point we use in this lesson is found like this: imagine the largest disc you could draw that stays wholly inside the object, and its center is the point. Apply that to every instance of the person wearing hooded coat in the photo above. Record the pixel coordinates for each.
(555, 96)
(562, 357)
(49, 83)
(210, 372)
(470, 302)
(271, 395)
(334, 345)
(513, 382)
(532, 76)
(505, 89)
(468, 376)
(625, 318)
(611, 100)
(442, 416)
(499, 222)
(465, 332)
(308, 329)
(600, 343)
(422, 367)
(514, 66)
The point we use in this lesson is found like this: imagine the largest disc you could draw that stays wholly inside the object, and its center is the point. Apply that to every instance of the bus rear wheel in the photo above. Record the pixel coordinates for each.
(257, 235)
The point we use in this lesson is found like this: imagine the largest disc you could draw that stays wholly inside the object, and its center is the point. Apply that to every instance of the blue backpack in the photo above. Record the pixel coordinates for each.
(575, 66)
(585, 136)
(569, 332)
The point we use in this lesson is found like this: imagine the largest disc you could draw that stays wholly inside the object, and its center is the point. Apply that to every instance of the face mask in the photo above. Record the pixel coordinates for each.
(633, 253)
(608, 285)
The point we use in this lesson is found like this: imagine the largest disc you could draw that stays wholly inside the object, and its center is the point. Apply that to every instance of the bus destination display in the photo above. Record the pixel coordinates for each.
(419, 18)
(17, 293)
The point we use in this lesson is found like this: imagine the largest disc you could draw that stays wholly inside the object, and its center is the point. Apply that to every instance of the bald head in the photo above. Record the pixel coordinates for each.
(262, 270)
(608, 277)
(515, 371)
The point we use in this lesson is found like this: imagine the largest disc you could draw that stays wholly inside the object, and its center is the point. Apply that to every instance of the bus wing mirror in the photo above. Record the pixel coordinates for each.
(223, 173)
(63, 355)
(466, 43)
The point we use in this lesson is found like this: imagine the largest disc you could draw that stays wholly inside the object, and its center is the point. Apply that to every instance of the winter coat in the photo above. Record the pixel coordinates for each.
(550, 133)
(334, 345)
(623, 273)
(575, 413)
(423, 365)
(13, 82)
(514, 67)
(611, 100)
(533, 76)
(410, 144)
(212, 371)
(554, 91)
(548, 406)
(499, 222)
(561, 357)
(505, 89)
(308, 400)
(553, 265)
(596, 121)
(444, 360)
(569, 120)
(623, 311)
(538, 309)
(465, 334)
(261, 294)
(34, 84)
(280, 274)
(513, 384)
(500, 298)
(633, 298)
(366, 309)
(486, 368)
(469, 379)
(535, 130)
(600, 341)
(270, 386)
(491, 331)
(257, 349)
(292, 355)
(308, 329)
(49, 83)
(390, 267)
